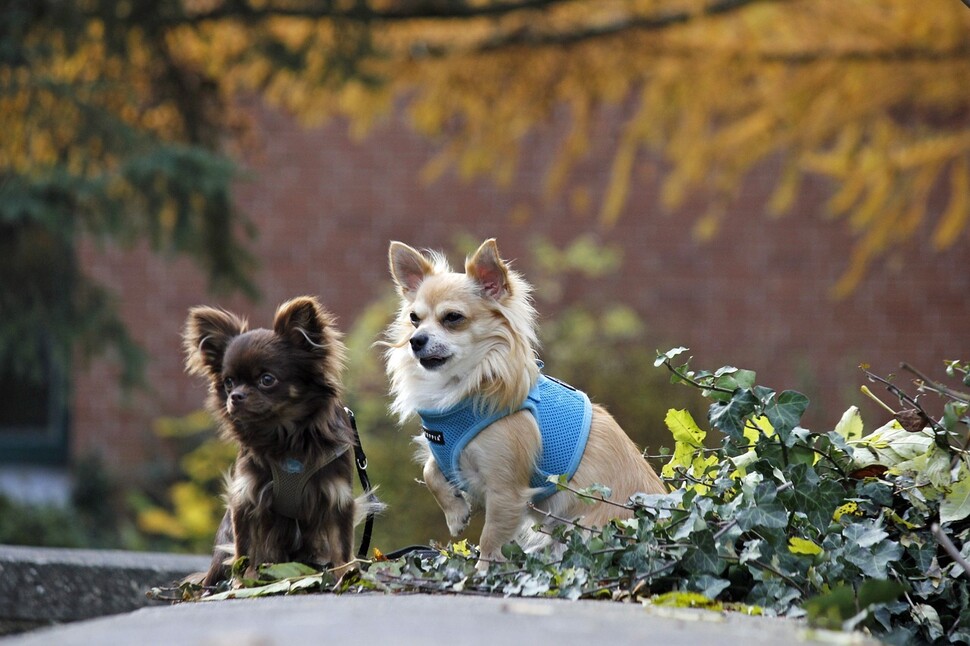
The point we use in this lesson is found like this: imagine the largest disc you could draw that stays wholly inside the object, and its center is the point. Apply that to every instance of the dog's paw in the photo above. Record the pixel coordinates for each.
(487, 559)
(457, 513)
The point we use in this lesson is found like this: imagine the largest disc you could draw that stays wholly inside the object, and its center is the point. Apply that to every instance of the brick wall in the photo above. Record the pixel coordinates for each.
(326, 206)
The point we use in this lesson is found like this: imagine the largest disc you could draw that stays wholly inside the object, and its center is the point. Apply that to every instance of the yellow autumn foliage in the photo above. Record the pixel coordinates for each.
(872, 96)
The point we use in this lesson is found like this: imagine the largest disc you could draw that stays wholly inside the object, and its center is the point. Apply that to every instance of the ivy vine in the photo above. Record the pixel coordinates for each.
(853, 530)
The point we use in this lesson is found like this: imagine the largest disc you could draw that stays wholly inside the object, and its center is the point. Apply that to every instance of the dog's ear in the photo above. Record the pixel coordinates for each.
(408, 267)
(488, 270)
(303, 322)
(207, 334)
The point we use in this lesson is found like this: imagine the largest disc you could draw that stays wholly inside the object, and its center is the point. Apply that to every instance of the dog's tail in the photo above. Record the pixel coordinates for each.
(367, 504)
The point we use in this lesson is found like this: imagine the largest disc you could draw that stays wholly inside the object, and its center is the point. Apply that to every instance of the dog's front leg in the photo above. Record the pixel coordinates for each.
(500, 461)
(450, 499)
(241, 529)
(505, 513)
(219, 569)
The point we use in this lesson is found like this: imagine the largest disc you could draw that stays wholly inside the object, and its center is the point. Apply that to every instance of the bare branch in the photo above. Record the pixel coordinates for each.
(935, 385)
(562, 39)
(362, 12)
(950, 548)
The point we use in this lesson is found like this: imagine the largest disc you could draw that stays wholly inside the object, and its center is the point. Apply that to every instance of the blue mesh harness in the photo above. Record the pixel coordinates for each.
(562, 413)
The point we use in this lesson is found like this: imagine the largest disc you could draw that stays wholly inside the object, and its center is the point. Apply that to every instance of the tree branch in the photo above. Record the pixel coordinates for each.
(362, 12)
(936, 386)
(950, 548)
(525, 36)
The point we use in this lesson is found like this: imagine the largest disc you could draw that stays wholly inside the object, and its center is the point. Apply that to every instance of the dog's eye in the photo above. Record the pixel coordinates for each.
(453, 318)
(415, 319)
(267, 380)
(228, 384)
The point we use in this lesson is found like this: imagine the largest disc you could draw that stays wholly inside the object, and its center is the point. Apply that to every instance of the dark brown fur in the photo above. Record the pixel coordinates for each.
(294, 412)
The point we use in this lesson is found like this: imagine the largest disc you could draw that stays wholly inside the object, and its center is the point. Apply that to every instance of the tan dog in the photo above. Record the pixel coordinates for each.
(462, 352)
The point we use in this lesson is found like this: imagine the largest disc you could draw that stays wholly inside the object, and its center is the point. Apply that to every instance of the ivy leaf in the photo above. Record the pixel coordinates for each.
(818, 499)
(709, 586)
(864, 534)
(786, 411)
(850, 426)
(733, 378)
(306, 583)
(664, 357)
(952, 413)
(956, 503)
(771, 515)
(729, 416)
(277, 587)
(684, 429)
(841, 605)
(751, 551)
(760, 426)
(277, 571)
(766, 510)
(702, 556)
(798, 545)
(872, 562)
(830, 610)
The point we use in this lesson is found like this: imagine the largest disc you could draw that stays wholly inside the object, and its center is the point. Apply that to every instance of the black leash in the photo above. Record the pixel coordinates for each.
(422, 551)
(361, 460)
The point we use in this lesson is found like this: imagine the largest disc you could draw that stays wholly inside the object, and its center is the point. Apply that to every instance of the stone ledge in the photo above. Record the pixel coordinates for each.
(41, 586)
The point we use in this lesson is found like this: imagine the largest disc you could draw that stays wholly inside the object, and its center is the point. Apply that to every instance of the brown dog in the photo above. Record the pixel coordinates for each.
(462, 355)
(276, 393)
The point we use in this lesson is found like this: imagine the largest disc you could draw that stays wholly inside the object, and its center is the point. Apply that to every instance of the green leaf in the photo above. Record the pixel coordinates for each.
(734, 379)
(841, 605)
(729, 416)
(771, 515)
(953, 412)
(277, 587)
(830, 610)
(865, 533)
(956, 502)
(786, 411)
(277, 571)
(709, 586)
(664, 357)
(816, 498)
(765, 510)
(306, 583)
(867, 548)
(872, 592)
(702, 556)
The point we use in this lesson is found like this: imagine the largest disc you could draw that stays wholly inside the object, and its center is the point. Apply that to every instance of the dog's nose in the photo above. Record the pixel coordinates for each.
(237, 396)
(418, 341)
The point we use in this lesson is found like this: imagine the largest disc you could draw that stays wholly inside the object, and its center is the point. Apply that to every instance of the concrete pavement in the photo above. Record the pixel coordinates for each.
(423, 620)
(98, 598)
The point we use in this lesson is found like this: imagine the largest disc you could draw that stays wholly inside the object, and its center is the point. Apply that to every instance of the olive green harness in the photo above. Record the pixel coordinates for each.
(289, 481)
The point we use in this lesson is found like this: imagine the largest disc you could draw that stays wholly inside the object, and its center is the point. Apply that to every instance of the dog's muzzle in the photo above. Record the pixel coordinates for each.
(428, 355)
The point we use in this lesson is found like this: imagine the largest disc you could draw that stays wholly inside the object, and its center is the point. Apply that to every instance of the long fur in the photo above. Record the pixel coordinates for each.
(490, 356)
(297, 413)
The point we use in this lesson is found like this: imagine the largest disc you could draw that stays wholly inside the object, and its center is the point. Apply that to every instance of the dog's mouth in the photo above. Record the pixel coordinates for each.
(432, 363)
